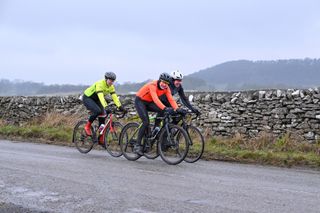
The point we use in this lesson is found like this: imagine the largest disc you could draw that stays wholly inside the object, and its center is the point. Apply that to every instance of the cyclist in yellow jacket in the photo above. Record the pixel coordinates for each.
(93, 99)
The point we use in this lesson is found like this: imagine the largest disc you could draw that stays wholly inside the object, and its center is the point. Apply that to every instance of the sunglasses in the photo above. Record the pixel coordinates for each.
(165, 82)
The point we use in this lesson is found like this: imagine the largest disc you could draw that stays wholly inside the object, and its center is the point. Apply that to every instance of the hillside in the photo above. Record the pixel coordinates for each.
(232, 75)
(244, 74)
(27, 88)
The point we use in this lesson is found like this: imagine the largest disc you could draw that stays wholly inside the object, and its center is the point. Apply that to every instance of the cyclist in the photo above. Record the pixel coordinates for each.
(93, 99)
(176, 87)
(147, 99)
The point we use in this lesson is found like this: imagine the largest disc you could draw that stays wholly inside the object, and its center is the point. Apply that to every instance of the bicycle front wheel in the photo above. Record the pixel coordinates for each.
(82, 141)
(112, 139)
(196, 144)
(128, 138)
(173, 148)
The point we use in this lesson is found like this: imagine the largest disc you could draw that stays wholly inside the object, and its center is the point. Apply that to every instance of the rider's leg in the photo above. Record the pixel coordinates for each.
(87, 128)
(143, 114)
(102, 120)
(94, 108)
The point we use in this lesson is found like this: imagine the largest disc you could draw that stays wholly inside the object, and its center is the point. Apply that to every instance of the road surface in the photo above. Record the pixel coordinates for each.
(48, 178)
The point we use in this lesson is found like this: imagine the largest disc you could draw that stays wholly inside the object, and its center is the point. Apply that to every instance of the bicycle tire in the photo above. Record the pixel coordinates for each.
(127, 142)
(196, 144)
(112, 141)
(168, 150)
(79, 138)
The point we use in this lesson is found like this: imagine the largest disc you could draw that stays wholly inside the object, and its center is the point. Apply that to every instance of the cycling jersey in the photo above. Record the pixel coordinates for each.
(150, 92)
(99, 89)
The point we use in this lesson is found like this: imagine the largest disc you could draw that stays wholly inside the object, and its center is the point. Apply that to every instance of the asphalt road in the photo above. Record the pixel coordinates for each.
(47, 178)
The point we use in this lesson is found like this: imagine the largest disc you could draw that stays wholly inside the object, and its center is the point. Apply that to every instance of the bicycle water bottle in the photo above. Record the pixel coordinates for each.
(101, 127)
(155, 131)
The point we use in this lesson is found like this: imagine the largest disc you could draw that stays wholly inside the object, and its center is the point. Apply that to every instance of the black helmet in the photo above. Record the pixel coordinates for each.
(165, 77)
(110, 75)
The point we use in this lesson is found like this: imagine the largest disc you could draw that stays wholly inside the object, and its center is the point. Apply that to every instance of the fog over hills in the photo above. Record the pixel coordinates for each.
(232, 75)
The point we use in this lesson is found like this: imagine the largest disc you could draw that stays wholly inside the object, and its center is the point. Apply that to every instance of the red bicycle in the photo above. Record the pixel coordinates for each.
(107, 136)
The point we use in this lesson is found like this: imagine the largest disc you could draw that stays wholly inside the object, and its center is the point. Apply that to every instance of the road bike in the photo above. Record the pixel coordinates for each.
(196, 139)
(171, 141)
(106, 135)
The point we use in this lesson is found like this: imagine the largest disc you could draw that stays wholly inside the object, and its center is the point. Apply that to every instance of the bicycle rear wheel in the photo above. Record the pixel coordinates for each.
(82, 141)
(196, 144)
(112, 139)
(173, 148)
(128, 138)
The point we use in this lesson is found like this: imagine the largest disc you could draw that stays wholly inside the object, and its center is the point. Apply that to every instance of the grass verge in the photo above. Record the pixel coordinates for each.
(286, 151)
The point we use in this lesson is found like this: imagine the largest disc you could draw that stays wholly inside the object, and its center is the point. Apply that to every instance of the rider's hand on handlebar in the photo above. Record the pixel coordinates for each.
(168, 110)
(108, 110)
(181, 111)
(122, 109)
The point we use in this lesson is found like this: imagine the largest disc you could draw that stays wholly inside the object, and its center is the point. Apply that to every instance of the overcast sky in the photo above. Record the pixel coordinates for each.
(76, 42)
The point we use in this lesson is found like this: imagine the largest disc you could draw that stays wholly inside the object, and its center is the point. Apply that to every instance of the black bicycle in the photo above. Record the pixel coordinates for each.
(171, 142)
(196, 140)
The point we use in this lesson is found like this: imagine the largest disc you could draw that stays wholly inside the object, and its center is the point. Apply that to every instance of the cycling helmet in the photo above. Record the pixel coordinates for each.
(110, 75)
(165, 77)
(177, 75)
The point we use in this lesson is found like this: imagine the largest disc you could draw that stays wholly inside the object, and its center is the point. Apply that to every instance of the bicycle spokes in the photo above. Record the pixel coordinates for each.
(196, 144)
(83, 142)
(112, 139)
(173, 145)
(128, 139)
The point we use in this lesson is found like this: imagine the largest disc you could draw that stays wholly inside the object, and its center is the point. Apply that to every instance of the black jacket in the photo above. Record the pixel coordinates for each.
(180, 91)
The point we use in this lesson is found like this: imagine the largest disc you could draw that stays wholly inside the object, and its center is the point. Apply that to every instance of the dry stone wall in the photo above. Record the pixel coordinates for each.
(223, 113)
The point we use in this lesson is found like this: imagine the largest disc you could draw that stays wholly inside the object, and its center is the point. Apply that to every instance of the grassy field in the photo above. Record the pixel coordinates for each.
(287, 151)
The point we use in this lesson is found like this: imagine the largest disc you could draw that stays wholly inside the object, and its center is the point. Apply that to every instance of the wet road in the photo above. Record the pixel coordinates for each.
(38, 177)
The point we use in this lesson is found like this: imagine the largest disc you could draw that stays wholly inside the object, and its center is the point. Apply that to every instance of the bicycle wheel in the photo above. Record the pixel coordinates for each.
(196, 144)
(151, 147)
(82, 141)
(128, 138)
(111, 139)
(173, 148)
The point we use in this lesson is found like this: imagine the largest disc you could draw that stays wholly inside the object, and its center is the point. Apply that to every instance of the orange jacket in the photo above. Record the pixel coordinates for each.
(151, 93)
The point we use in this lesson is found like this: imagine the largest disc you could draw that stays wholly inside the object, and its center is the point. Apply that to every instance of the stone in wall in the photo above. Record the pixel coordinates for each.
(223, 113)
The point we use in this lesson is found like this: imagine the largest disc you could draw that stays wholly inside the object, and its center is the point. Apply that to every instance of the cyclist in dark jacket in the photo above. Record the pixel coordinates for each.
(176, 87)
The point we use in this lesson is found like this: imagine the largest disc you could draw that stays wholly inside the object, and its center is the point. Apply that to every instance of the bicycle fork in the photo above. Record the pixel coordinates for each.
(185, 127)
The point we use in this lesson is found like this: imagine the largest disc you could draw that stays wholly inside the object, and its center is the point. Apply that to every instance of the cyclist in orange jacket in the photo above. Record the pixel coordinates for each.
(147, 99)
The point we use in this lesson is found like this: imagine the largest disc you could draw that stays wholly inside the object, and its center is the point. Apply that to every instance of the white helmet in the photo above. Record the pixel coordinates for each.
(177, 75)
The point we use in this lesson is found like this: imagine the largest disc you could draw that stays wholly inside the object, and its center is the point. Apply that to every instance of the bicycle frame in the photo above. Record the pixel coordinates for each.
(183, 121)
(108, 124)
(184, 124)
(151, 118)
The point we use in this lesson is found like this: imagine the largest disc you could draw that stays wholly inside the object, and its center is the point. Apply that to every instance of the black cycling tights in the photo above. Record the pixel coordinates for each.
(142, 108)
(95, 108)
